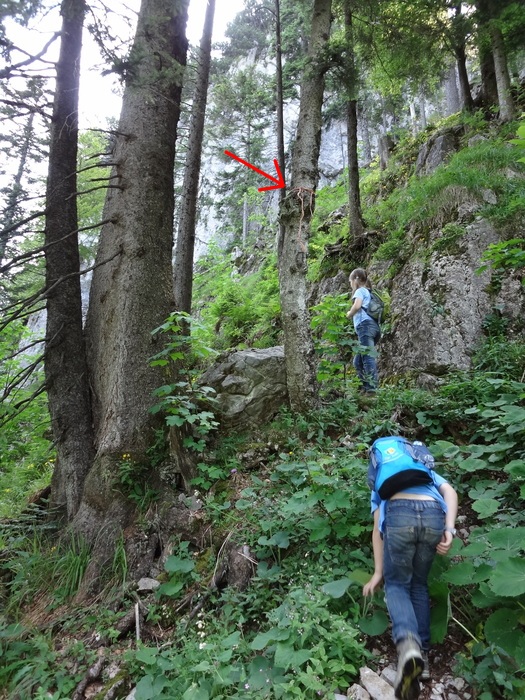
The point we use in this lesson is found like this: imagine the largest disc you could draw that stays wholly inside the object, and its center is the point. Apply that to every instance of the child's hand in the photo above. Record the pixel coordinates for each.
(370, 587)
(445, 544)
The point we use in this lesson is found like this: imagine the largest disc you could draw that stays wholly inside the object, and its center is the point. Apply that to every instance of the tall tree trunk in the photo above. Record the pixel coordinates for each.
(296, 214)
(355, 215)
(279, 95)
(185, 248)
(459, 33)
(65, 357)
(132, 288)
(489, 85)
(464, 85)
(453, 103)
(507, 110)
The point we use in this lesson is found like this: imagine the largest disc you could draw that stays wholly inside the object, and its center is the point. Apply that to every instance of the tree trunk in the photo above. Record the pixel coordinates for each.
(184, 251)
(279, 91)
(65, 357)
(489, 85)
(296, 214)
(453, 103)
(132, 288)
(464, 85)
(507, 110)
(355, 215)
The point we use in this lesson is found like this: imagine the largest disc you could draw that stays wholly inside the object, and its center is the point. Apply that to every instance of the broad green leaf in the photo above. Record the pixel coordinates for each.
(374, 625)
(501, 628)
(263, 639)
(286, 656)
(174, 564)
(508, 538)
(516, 468)
(459, 574)
(195, 692)
(486, 507)
(337, 589)
(508, 578)
(473, 464)
(231, 640)
(170, 588)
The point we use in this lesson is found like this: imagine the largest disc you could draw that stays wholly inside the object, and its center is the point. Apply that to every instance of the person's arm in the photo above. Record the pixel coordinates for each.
(355, 307)
(451, 500)
(377, 546)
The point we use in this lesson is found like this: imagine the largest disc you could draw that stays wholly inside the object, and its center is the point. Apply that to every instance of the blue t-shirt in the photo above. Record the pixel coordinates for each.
(422, 490)
(361, 315)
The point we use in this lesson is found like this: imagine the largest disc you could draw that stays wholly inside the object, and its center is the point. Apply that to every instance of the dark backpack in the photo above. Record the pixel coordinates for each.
(395, 464)
(376, 306)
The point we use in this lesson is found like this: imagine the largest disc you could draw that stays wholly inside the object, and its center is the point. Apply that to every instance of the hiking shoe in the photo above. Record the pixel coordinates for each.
(409, 669)
(425, 673)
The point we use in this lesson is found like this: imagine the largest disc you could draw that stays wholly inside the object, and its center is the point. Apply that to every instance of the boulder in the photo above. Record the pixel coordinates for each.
(250, 386)
(439, 304)
(437, 150)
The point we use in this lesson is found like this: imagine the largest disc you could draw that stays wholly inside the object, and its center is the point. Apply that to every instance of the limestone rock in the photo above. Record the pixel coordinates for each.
(356, 692)
(378, 688)
(437, 150)
(250, 386)
(438, 307)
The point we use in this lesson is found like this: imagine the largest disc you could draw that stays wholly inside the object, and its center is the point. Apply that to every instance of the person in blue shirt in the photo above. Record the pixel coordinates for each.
(367, 329)
(409, 529)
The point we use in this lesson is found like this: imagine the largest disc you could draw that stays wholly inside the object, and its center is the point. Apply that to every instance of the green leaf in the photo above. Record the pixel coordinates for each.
(516, 468)
(486, 507)
(171, 588)
(502, 629)
(263, 639)
(508, 578)
(174, 564)
(374, 625)
(459, 574)
(195, 692)
(175, 420)
(286, 656)
(511, 539)
(472, 464)
(337, 589)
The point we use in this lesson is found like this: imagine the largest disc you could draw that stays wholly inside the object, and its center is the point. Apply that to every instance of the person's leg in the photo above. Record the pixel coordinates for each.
(366, 332)
(431, 531)
(400, 545)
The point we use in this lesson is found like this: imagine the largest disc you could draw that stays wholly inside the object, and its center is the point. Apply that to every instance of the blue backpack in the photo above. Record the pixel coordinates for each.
(395, 464)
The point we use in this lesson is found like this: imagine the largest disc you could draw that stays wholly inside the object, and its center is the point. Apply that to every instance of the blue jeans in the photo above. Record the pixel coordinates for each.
(365, 363)
(412, 531)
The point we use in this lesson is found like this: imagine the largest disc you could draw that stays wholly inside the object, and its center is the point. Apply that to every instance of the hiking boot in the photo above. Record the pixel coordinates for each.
(409, 669)
(425, 673)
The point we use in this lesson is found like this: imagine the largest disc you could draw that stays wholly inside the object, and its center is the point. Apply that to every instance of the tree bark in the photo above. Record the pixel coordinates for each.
(507, 110)
(489, 86)
(464, 85)
(132, 288)
(453, 103)
(184, 251)
(65, 357)
(355, 215)
(296, 213)
(279, 95)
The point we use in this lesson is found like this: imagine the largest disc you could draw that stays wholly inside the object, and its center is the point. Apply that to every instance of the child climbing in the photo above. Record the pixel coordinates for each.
(367, 329)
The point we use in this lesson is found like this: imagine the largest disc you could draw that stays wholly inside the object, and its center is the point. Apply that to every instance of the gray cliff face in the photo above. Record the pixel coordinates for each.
(438, 307)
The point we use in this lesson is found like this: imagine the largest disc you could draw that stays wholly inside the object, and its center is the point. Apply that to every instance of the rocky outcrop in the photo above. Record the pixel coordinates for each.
(437, 150)
(250, 386)
(439, 305)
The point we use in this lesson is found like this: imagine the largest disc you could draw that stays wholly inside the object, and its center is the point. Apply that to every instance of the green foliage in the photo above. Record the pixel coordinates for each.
(181, 570)
(133, 479)
(32, 668)
(185, 403)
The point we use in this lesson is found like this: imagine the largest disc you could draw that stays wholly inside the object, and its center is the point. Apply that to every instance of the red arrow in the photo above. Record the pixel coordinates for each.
(279, 180)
